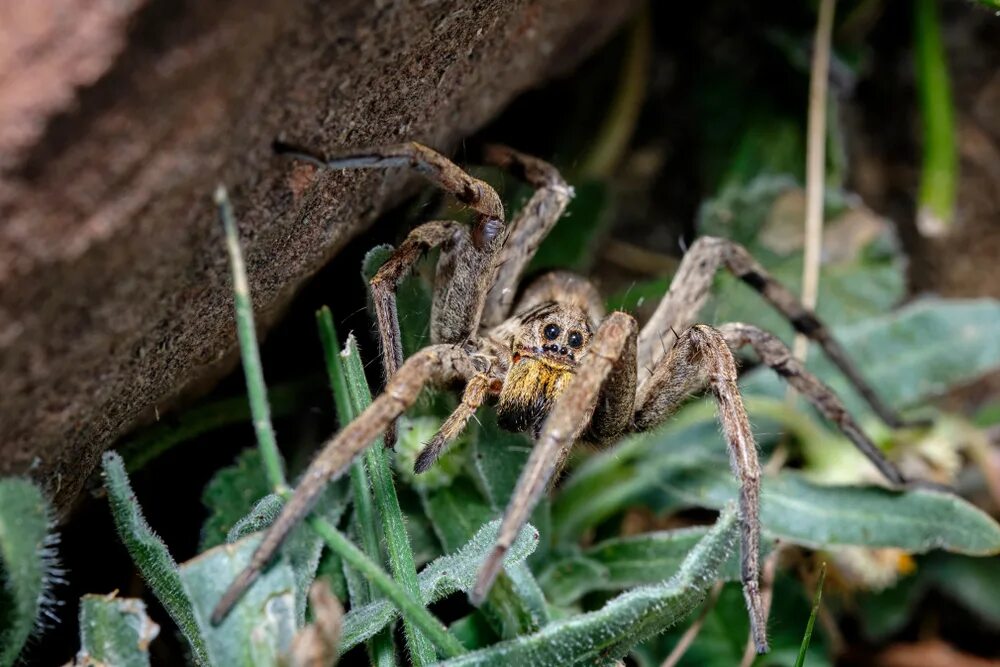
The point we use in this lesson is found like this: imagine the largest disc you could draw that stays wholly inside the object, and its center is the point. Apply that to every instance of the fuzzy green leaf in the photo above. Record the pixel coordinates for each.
(150, 555)
(230, 494)
(114, 631)
(515, 604)
(625, 562)
(262, 515)
(442, 577)
(624, 621)
(28, 565)
(261, 626)
(808, 514)
(303, 547)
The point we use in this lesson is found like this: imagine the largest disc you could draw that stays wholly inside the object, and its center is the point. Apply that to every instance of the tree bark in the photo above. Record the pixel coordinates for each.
(118, 118)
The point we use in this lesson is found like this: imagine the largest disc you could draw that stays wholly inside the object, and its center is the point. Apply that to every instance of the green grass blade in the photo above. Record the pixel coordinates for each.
(28, 565)
(807, 637)
(115, 631)
(381, 648)
(247, 333)
(150, 554)
(408, 607)
(397, 542)
(353, 397)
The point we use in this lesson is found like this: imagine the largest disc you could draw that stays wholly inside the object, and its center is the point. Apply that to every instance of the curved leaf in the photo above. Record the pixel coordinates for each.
(624, 621)
(150, 554)
(625, 562)
(442, 577)
(801, 512)
(261, 626)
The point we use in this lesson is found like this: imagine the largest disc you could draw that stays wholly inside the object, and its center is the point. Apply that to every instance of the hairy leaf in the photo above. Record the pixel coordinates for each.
(114, 631)
(261, 626)
(624, 621)
(28, 564)
(150, 555)
(624, 562)
(515, 604)
(443, 576)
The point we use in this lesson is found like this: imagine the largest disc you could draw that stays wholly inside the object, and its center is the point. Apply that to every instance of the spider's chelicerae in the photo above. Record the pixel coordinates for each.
(555, 363)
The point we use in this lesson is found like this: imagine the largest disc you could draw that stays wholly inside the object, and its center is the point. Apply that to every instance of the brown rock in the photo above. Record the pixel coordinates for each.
(118, 118)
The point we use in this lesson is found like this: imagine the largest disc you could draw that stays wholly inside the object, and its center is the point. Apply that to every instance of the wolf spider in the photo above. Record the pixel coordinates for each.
(555, 363)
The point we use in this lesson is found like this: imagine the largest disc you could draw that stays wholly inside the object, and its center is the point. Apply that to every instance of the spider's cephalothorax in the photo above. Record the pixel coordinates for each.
(558, 367)
(545, 341)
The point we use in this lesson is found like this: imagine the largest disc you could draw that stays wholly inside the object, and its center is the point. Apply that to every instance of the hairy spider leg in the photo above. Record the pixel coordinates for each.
(690, 288)
(474, 395)
(437, 365)
(531, 225)
(701, 356)
(468, 260)
(773, 352)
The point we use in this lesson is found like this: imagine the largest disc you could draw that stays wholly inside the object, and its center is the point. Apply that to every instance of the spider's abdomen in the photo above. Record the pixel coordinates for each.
(531, 386)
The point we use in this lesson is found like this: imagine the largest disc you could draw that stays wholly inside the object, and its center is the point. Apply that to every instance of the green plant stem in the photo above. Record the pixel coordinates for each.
(249, 350)
(411, 609)
(939, 171)
(381, 646)
(393, 525)
(801, 659)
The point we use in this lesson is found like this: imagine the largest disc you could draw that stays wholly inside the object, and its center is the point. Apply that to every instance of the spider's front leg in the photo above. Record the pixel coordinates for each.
(606, 372)
(438, 365)
(533, 223)
(701, 355)
(468, 259)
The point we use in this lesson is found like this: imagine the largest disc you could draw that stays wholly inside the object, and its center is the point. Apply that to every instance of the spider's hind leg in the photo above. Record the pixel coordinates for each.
(701, 356)
(690, 288)
(773, 352)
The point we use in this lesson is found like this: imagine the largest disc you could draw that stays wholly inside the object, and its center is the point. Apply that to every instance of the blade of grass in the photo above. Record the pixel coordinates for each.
(393, 525)
(800, 660)
(815, 165)
(381, 647)
(249, 351)
(938, 174)
(409, 608)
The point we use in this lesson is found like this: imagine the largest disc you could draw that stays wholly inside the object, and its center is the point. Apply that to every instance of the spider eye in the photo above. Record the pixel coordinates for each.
(552, 331)
(575, 339)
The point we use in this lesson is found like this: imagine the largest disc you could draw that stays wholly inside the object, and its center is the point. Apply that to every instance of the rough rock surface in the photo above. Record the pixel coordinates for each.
(117, 118)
